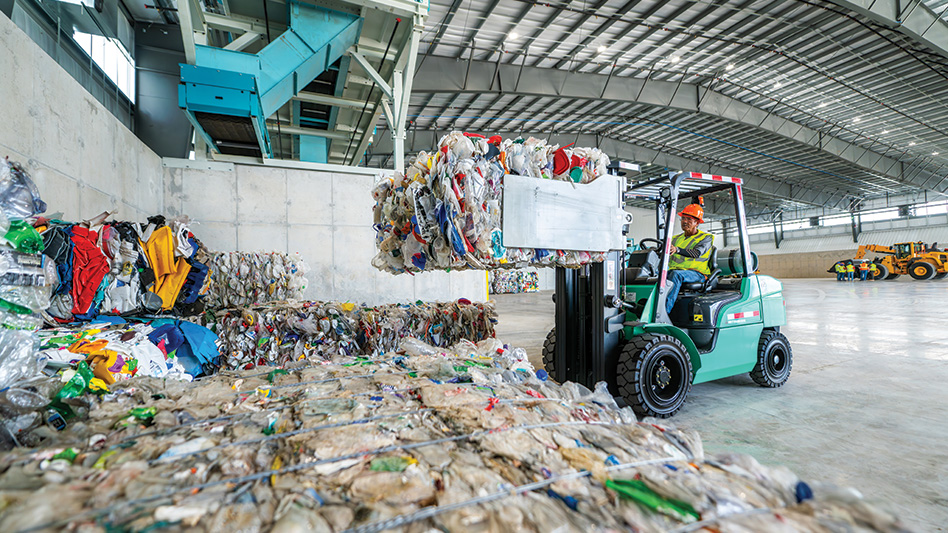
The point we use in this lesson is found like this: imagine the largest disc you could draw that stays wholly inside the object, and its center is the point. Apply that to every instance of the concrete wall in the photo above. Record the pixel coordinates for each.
(81, 157)
(802, 265)
(808, 253)
(324, 215)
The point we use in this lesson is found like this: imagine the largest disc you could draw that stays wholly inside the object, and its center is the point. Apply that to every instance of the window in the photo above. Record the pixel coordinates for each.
(931, 208)
(110, 55)
(885, 214)
(754, 230)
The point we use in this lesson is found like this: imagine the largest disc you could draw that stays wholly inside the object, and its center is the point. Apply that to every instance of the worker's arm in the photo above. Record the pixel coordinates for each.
(699, 248)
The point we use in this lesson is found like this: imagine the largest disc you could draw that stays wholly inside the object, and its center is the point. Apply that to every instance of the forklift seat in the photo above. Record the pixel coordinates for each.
(711, 282)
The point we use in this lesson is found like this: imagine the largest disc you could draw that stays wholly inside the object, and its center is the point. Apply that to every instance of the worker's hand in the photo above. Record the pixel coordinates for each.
(673, 249)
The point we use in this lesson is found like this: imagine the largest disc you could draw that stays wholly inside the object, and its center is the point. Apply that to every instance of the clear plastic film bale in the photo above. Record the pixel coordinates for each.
(19, 197)
(18, 357)
(27, 280)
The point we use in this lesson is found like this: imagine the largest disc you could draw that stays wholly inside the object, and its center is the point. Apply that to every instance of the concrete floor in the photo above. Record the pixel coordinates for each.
(866, 405)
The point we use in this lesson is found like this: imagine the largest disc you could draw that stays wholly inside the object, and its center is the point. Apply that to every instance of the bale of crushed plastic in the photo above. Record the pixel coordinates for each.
(445, 212)
(513, 281)
(278, 333)
(423, 439)
(251, 278)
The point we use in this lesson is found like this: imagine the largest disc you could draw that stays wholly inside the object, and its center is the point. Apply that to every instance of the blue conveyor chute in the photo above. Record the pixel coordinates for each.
(228, 95)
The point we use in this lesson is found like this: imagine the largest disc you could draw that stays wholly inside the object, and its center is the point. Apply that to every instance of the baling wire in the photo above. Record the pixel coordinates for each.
(304, 466)
(430, 512)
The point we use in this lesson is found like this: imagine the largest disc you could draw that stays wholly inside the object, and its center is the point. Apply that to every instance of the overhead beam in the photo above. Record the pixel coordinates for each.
(627, 151)
(296, 130)
(909, 17)
(447, 76)
(240, 24)
(325, 99)
(243, 41)
(374, 74)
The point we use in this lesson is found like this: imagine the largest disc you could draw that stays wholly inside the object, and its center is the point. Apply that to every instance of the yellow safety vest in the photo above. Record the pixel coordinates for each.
(873, 268)
(680, 262)
(840, 268)
(850, 268)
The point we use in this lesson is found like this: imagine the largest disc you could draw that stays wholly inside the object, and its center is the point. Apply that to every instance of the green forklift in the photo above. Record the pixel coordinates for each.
(611, 323)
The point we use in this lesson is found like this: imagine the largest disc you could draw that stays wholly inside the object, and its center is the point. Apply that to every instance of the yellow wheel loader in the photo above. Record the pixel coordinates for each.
(913, 258)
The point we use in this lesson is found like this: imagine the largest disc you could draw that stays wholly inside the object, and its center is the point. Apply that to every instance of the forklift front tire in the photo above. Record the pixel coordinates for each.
(549, 353)
(654, 374)
(774, 360)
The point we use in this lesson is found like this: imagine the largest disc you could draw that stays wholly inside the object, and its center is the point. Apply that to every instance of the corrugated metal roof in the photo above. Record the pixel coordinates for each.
(844, 241)
(863, 91)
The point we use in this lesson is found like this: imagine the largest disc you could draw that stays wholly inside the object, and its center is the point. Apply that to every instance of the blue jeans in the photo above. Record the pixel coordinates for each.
(675, 279)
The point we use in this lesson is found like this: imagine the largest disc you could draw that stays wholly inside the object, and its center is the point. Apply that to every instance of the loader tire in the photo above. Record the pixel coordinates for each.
(774, 360)
(921, 271)
(654, 374)
(882, 271)
(941, 275)
(549, 353)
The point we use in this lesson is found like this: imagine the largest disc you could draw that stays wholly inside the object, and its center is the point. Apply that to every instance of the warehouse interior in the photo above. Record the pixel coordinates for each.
(369, 265)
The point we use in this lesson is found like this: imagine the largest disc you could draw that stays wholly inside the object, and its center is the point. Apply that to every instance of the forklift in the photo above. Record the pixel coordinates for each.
(611, 323)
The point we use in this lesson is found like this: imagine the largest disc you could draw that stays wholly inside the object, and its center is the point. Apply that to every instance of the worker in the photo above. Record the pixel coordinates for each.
(873, 271)
(838, 270)
(850, 271)
(690, 252)
(863, 270)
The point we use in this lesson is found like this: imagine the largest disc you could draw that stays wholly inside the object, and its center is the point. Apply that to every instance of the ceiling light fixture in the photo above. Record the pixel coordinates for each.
(730, 66)
(675, 59)
(934, 153)
(778, 85)
(855, 119)
(885, 131)
(514, 35)
(822, 104)
(912, 143)
(602, 48)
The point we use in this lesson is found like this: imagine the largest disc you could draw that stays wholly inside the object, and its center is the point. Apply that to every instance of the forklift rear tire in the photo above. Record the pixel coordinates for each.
(549, 353)
(921, 271)
(882, 272)
(774, 360)
(654, 374)
(942, 275)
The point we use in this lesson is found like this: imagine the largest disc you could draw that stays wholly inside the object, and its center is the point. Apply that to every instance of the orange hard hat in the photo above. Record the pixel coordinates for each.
(694, 210)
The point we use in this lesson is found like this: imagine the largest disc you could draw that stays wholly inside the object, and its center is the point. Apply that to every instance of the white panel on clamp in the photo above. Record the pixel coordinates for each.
(561, 215)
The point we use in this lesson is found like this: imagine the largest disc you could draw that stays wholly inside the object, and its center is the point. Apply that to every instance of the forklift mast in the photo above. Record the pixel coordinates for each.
(589, 321)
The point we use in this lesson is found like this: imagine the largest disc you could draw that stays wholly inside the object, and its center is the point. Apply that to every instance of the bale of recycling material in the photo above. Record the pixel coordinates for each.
(445, 212)
(513, 281)
(278, 333)
(465, 439)
(249, 278)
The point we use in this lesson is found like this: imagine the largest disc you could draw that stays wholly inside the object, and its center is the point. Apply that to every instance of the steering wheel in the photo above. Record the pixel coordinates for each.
(656, 248)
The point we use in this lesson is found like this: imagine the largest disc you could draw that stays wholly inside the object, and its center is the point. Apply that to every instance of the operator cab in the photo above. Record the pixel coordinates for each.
(698, 306)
